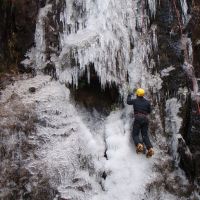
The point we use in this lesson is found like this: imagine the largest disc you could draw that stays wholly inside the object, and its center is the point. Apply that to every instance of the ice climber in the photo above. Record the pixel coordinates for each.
(142, 108)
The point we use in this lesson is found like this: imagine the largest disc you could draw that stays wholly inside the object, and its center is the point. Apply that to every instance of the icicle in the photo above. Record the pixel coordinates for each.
(103, 44)
(88, 74)
(155, 41)
(152, 7)
(184, 7)
(40, 43)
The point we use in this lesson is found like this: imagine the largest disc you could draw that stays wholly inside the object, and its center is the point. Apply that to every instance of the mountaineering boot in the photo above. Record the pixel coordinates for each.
(139, 148)
(150, 153)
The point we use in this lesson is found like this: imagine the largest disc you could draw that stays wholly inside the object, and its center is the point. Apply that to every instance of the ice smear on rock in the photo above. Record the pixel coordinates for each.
(185, 15)
(36, 56)
(173, 125)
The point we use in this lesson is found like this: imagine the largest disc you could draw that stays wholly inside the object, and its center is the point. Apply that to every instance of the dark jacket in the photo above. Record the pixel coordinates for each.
(140, 104)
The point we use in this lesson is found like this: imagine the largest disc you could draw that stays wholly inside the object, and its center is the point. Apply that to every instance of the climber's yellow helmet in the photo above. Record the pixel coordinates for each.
(140, 92)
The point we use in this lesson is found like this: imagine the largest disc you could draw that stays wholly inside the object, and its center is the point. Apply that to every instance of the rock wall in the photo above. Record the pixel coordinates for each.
(195, 29)
(17, 25)
(171, 53)
(193, 136)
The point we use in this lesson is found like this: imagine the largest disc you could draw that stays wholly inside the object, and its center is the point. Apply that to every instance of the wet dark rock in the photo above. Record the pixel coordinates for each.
(42, 122)
(105, 154)
(42, 3)
(84, 188)
(192, 142)
(50, 69)
(168, 181)
(5, 80)
(104, 175)
(186, 159)
(170, 53)
(17, 28)
(197, 168)
(61, 198)
(76, 180)
(193, 132)
(92, 96)
(32, 89)
(169, 48)
(195, 30)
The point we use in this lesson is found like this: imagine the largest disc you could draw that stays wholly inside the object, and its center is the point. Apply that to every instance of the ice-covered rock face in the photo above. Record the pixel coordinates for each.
(112, 35)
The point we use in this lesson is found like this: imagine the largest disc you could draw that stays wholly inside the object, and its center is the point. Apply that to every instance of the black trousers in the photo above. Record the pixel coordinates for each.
(141, 123)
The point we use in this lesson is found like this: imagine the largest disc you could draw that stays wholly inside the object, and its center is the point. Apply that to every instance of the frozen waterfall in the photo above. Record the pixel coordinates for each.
(88, 155)
(103, 33)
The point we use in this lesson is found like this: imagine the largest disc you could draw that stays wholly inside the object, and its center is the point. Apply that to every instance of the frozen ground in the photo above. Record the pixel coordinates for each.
(73, 143)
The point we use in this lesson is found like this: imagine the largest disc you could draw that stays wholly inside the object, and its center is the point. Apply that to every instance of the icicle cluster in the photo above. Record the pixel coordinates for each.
(111, 35)
(100, 35)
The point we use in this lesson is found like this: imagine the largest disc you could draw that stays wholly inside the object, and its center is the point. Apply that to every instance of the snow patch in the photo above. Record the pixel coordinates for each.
(165, 72)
